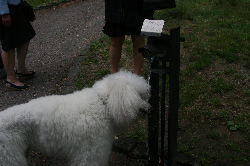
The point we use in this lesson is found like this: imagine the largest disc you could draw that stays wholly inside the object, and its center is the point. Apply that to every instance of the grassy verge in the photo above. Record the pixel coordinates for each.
(95, 63)
(217, 27)
(36, 3)
(215, 79)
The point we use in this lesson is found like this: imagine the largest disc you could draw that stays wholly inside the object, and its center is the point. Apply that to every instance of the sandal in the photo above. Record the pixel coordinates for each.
(25, 75)
(13, 87)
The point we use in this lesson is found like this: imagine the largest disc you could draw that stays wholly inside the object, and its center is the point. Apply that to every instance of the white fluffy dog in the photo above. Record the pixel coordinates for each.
(79, 127)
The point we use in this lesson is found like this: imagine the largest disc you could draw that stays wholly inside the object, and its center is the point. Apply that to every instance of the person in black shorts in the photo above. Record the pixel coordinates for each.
(125, 17)
(15, 34)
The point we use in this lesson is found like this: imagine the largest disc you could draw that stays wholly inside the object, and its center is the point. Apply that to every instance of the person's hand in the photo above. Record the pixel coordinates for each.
(6, 20)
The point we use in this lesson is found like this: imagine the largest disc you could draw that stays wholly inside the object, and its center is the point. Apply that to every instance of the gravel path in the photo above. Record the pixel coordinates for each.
(63, 33)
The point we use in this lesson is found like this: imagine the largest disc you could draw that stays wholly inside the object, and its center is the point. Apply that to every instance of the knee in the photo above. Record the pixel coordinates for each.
(117, 41)
(138, 40)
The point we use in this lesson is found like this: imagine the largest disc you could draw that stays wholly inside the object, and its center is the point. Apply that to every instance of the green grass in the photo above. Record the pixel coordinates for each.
(201, 60)
(215, 32)
(217, 27)
(213, 134)
(94, 63)
(137, 133)
(36, 3)
(219, 85)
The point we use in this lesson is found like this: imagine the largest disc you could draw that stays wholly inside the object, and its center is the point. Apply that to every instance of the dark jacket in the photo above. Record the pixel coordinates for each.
(128, 12)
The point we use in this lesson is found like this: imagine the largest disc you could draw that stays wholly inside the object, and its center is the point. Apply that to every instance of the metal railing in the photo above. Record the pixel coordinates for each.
(164, 49)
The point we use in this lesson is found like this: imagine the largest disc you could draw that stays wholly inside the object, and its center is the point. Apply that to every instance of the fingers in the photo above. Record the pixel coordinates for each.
(6, 20)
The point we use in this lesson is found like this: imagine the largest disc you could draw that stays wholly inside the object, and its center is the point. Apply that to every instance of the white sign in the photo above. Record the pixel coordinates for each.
(152, 27)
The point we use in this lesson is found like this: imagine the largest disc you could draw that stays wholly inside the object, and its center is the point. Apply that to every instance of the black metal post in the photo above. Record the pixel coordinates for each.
(153, 119)
(174, 69)
(165, 49)
(163, 113)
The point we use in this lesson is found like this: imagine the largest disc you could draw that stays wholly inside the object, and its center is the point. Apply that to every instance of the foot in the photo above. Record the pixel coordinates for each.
(16, 85)
(25, 73)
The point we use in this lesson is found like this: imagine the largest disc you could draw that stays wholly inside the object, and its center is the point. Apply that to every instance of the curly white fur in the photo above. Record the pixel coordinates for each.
(79, 127)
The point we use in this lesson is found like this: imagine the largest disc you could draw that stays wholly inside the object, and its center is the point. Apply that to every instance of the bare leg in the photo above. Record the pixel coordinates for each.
(9, 64)
(138, 42)
(115, 52)
(21, 57)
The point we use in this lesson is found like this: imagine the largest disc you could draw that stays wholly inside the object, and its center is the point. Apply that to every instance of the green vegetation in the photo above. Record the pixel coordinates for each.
(36, 3)
(137, 133)
(95, 63)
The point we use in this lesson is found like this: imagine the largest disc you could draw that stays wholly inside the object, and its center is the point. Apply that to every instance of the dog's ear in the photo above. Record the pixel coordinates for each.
(124, 103)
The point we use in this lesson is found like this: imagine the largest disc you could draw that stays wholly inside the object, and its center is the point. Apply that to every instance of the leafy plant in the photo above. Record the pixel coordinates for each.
(219, 85)
(233, 126)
